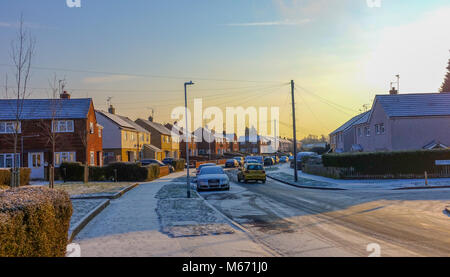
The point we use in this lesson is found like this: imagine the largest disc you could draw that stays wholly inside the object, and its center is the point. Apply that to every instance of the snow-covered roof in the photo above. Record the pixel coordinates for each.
(75, 108)
(350, 123)
(415, 104)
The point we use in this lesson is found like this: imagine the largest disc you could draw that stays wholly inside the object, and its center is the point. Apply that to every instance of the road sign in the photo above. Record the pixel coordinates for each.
(442, 162)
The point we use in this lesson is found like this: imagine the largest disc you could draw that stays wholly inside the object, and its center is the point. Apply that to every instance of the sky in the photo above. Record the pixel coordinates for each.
(340, 53)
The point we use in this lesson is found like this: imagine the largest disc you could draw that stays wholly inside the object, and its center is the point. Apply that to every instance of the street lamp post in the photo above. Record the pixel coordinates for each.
(188, 183)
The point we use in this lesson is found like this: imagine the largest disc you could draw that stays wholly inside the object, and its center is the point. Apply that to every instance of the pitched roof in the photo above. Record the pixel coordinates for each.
(116, 119)
(359, 118)
(152, 147)
(157, 126)
(75, 108)
(416, 104)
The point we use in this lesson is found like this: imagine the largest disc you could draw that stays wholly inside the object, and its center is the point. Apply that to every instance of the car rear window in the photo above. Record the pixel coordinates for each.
(254, 167)
(211, 170)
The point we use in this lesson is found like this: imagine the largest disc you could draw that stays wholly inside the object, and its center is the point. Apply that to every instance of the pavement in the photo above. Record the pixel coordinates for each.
(136, 225)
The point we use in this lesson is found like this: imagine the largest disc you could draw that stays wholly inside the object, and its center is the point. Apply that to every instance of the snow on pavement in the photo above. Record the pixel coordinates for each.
(131, 227)
(285, 172)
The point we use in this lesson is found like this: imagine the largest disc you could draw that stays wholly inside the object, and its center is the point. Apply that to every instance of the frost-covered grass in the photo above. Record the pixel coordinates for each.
(81, 208)
(183, 217)
(77, 188)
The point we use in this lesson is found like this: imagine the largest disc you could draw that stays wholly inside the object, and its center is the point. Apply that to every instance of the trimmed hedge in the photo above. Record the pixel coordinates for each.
(71, 171)
(179, 165)
(126, 172)
(34, 222)
(5, 177)
(379, 163)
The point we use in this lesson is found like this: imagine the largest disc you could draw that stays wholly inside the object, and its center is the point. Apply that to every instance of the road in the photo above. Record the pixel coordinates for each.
(303, 222)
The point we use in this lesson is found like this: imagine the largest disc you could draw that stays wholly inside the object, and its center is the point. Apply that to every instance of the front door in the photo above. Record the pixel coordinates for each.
(36, 163)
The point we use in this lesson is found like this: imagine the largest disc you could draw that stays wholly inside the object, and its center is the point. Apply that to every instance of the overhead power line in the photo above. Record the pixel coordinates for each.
(142, 75)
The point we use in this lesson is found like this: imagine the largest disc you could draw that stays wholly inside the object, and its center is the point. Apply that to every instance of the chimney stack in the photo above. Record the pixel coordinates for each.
(111, 109)
(64, 95)
(393, 91)
(150, 118)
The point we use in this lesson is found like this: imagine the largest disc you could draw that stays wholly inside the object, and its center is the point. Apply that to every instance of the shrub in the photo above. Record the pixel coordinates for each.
(71, 171)
(5, 177)
(98, 173)
(34, 222)
(178, 165)
(153, 171)
(399, 162)
(127, 171)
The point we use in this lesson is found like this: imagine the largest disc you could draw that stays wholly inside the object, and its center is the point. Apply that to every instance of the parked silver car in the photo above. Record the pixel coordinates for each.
(212, 177)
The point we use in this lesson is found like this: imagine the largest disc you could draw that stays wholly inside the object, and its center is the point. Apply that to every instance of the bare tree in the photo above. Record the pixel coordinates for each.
(22, 51)
(48, 127)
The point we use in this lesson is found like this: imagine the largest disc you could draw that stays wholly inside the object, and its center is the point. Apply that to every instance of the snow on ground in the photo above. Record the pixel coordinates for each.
(81, 208)
(131, 227)
(286, 173)
(183, 217)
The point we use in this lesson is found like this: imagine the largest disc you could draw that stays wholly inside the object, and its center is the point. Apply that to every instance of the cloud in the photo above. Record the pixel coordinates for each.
(271, 23)
(108, 79)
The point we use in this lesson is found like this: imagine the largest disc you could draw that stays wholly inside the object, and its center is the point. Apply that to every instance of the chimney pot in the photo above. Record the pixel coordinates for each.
(111, 109)
(64, 95)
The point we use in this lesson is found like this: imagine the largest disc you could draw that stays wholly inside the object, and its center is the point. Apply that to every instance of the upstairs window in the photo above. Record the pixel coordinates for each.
(382, 128)
(91, 127)
(367, 131)
(63, 126)
(9, 127)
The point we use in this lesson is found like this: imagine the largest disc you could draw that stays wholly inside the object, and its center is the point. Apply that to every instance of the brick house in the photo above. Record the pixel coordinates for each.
(211, 143)
(397, 122)
(193, 151)
(233, 144)
(70, 122)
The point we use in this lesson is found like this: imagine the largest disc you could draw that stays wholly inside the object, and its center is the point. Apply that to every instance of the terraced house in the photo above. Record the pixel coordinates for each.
(397, 122)
(123, 139)
(68, 124)
(161, 138)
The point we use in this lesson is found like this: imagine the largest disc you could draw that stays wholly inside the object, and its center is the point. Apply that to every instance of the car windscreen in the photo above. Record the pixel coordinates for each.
(211, 170)
(254, 167)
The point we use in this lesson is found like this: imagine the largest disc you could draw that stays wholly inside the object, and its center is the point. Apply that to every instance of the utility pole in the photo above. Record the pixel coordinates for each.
(188, 181)
(295, 132)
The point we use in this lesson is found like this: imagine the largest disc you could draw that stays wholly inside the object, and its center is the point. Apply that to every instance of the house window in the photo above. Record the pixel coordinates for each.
(8, 127)
(99, 132)
(7, 160)
(377, 129)
(91, 127)
(92, 158)
(125, 135)
(64, 157)
(382, 128)
(359, 132)
(367, 131)
(63, 126)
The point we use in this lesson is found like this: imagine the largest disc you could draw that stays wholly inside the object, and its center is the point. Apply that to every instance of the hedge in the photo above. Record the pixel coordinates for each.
(34, 222)
(178, 165)
(126, 172)
(399, 162)
(5, 177)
